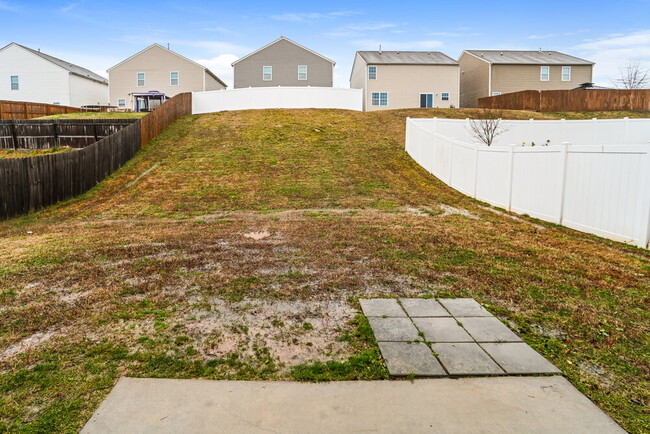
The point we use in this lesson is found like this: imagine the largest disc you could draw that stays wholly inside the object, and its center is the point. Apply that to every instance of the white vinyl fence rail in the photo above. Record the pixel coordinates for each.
(594, 176)
(276, 97)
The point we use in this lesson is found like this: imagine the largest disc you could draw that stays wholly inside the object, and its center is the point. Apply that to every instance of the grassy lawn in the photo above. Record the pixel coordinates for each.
(236, 245)
(96, 115)
(21, 153)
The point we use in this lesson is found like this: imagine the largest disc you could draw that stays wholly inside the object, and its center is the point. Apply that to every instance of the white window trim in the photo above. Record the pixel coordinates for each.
(306, 72)
(448, 96)
(264, 73)
(11, 83)
(376, 72)
(178, 78)
(121, 105)
(568, 79)
(379, 100)
(496, 93)
(137, 79)
(548, 74)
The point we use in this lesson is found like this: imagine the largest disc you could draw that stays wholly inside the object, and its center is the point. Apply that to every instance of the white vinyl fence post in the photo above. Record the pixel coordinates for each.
(643, 232)
(511, 160)
(475, 169)
(408, 135)
(564, 156)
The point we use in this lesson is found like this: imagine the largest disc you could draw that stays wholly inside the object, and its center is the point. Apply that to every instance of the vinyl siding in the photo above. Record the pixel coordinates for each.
(156, 63)
(358, 76)
(211, 83)
(514, 78)
(87, 92)
(405, 83)
(284, 57)
(474, 80)
(39, 80)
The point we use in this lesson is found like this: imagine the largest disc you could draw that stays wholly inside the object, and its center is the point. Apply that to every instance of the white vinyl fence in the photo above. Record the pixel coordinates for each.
(594, 176)
(276, 97)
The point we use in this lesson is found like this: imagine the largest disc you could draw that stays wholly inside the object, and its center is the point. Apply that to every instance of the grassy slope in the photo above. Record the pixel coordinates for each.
(122, 276)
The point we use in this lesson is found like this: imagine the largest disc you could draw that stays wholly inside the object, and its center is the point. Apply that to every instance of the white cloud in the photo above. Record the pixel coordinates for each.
(395, 45)
(371, 26)
(221, 66)
(296, 17)
(71, 6)
(613, 52)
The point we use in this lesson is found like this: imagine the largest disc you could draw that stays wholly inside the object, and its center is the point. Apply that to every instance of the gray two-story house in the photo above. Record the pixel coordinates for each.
(283, 63)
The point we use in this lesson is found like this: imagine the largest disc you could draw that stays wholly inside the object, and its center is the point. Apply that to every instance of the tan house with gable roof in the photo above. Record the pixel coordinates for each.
(148, 78)
(405, 79)
(494, 72)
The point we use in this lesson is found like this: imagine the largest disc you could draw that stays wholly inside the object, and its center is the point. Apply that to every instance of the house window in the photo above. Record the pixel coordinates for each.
(496, 93)
(545, 73)
(444, 96)
(426, 100)
(121, 103)
(14, 82)
(380, 98)
(372, 73)
(566, 73)
(267, 73)
(56, 103)
(140, 79)
(302, 72)
(173, 78)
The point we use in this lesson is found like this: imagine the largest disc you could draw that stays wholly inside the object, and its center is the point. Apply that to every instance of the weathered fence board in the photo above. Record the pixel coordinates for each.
(29, 110)
(28, 184)
(570, 100)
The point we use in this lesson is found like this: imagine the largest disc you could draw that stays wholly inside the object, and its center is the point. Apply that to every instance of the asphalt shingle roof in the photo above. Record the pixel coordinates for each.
(506, 57)
(75, 69)
(407, 57)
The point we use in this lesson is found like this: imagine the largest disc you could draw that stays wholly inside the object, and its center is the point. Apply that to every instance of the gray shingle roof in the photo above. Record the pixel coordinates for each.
(407, 57)
(506, 57)
(75, 69)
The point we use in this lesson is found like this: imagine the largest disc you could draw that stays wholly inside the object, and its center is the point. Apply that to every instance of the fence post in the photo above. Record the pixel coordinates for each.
(564, 156)
(511, 160)
(475, 169)
(643, 225)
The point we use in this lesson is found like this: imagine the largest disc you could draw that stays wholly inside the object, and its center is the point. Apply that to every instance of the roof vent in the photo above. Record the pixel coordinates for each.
(379, 48)
(398, 52)
(501, 53)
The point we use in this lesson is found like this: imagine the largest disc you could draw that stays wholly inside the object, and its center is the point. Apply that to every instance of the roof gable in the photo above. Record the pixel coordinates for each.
(282, 38)
(70, 67)
(512, 57)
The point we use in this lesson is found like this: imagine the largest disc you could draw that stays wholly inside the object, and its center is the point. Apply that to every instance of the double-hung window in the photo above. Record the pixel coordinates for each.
(444, 96)
(141, 79)
(545, 73)
(14, 83)
(302, 72)
(267, 73)
(380, 98)
(121, 103)
(173, 78)
(566, 73)
(372, 73)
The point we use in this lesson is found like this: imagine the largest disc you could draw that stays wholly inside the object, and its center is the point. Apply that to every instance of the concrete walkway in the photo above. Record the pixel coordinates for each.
(466, 405)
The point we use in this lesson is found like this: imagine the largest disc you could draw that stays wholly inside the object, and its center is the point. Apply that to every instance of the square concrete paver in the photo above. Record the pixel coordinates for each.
(466, 359)
(489, 330)
(464, 307)
(519, 358)
(381, 307)
(442, 330)
(422, 307)
(405, 359)
(393, 329)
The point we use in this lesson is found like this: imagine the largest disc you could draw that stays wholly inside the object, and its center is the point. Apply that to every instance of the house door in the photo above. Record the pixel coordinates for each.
(426, 100)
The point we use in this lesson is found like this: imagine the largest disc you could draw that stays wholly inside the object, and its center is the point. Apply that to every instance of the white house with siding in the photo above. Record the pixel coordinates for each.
(30, 75)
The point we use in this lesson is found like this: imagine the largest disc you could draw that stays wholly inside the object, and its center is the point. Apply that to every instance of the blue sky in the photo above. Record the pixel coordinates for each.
(98, 34)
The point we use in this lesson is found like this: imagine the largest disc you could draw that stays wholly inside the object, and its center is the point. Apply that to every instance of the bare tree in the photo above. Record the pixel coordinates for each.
(488, 127)
(633, 76)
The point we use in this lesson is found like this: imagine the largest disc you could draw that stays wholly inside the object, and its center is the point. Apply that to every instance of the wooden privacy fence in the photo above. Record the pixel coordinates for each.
(27, 184)
(49, 133)
(29, 110)
(570, 100)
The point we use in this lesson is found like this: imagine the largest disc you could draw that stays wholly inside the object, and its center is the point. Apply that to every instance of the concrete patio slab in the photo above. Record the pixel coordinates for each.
(464, 307)
(393, 329)
(442, 330)
(466, 359)
(381, 307)
(421, 307)
(466, 405)
(489, 330)
(403, 359)
(519, 359)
